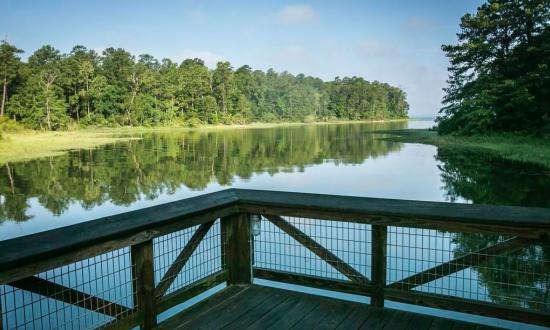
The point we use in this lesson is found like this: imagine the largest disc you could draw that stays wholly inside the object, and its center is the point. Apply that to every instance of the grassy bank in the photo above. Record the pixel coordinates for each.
(25, 144)
(512, 147)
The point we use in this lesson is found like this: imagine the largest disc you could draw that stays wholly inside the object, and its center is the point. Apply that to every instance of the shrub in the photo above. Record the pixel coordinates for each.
(309, 119)
(9, 125)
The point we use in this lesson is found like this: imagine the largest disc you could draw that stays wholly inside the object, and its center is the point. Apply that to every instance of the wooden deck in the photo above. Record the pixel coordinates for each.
(261, 307)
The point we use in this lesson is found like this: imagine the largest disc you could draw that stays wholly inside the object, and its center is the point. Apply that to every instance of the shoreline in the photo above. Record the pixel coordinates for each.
(28, 144)
(507, 146)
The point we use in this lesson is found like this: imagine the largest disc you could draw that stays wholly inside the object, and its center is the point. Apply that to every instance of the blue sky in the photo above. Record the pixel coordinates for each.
(391, 41)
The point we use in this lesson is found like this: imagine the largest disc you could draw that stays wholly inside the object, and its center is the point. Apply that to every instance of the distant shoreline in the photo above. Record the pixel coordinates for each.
(28, 144)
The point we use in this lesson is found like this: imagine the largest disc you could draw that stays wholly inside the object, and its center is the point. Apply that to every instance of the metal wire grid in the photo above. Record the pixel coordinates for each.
(350, 242)
(517, 276)
(107, 276)
(205, 260)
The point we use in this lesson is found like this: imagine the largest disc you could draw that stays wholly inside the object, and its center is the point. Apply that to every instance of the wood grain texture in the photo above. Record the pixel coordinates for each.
(379, 246)
(144, 283)
(24, 250)
(238, 257)
(312, 281)
(181, 295)
(71, 296)
(319, 250)
(521, 221)
(469, 306)
(261, 307)
(182, 258)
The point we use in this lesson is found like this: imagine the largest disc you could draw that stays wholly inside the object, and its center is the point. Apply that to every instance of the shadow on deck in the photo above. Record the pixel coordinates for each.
(262, 307)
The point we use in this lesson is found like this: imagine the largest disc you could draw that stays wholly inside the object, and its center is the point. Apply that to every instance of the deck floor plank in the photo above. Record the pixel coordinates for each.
(356, 318)
(285, 319)
(262, 307)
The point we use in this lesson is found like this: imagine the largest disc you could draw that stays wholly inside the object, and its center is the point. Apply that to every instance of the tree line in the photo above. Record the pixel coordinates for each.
(52, 90)
(499, 74)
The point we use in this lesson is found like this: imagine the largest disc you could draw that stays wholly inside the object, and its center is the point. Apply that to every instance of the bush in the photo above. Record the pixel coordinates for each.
(194, 122)
(269, 118)
(309, 119)
(9, 125)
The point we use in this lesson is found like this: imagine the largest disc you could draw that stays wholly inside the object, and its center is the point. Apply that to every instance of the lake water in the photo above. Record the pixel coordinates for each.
(344, 159)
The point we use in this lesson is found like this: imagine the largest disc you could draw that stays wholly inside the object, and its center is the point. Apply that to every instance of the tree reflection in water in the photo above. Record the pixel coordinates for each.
(521, 277)
(161, 163)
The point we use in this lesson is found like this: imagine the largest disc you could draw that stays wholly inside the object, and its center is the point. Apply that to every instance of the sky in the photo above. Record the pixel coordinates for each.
(393, 41)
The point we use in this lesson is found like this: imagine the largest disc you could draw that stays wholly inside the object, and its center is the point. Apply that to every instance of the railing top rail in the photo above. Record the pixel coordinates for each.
(24, 250)
(507, 216)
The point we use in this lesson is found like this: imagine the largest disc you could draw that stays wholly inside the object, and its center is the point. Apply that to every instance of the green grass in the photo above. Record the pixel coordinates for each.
(508, 146)
(25, 145)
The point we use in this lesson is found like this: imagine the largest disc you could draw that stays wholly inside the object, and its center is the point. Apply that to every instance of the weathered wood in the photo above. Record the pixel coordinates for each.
(71, 296)
(319, 250)
(237, 248)
(1, 316)
(254, 305)
(129, 322)
(25, 269)
(520, 221)
(379, 243)
(29, 255)
(278, 311)
(421, 322)
(144, 283)
(356, 318)
(202, 308)
(442, 324)
(442, 225)
(260, 307)
(34, 248)
(458, 264)
(378, 319)
(450, 212)
(180, 261)
(469, 306)
(237, 308)
(182, 295)
(312, 281)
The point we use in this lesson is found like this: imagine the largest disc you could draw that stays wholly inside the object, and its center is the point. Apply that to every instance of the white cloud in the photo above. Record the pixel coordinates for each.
(210, 59)
(298, 14)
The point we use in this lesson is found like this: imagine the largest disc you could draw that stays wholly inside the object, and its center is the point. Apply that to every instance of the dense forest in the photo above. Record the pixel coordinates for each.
(53, 90)
(499, 74)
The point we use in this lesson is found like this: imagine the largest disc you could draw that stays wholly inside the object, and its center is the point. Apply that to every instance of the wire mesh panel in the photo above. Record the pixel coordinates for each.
(341, 244)
(90, 293)
(174, 269)
(491, 268)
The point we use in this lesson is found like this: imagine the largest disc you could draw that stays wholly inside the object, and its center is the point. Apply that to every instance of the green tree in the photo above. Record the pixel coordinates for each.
(499, 73)
(9, 66)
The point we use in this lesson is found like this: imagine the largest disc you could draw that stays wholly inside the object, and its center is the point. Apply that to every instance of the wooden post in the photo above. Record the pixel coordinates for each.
(379, 241)
(238, 261)
(1, 318)
(144, 283)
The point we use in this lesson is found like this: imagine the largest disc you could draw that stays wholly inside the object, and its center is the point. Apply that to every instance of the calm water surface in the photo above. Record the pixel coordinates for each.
(345, 159)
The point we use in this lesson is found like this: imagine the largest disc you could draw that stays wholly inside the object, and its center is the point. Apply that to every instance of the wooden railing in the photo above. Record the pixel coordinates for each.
(153, 259)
